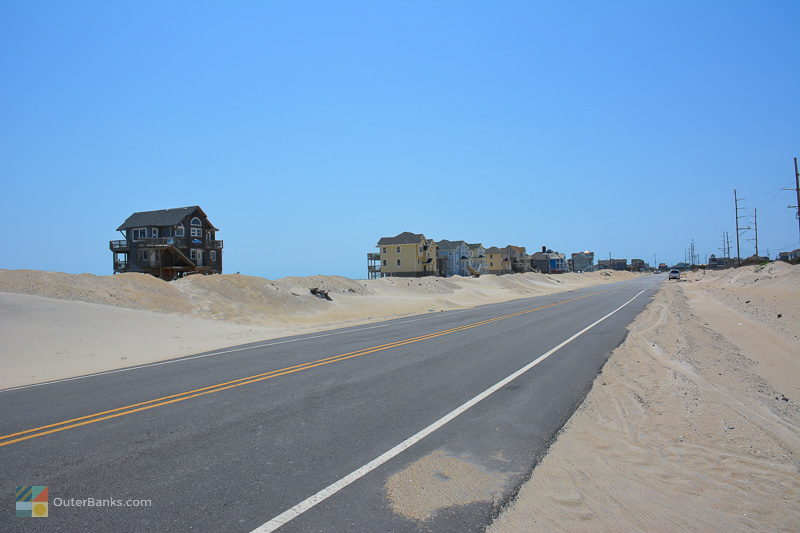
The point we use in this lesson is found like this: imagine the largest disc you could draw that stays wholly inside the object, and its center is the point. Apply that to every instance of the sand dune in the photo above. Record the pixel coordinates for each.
(761, 293)
(693, 424)
(57, 325)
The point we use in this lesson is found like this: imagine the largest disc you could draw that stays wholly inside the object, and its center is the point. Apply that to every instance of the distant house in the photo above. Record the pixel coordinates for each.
(613, 264)
(518, 258)
(549, 262)
(718, 263)
(792, 256)
(583, 261)
(406, 255)
(638, 265)
(168, 243)
(477, 259)
(497, 261)
(453, 257)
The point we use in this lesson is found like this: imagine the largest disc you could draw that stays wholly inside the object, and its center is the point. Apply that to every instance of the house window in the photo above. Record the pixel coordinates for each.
(155, 232)
(213, 255)
(179, 231)
(384, 262)
(417, 260)
(398, 249)
(139, 234)
(491, 264)
(398, 262)
(196, 232)
(420, 249)
(196, 222)
(144, 257)
(384, 249)
(193, 254)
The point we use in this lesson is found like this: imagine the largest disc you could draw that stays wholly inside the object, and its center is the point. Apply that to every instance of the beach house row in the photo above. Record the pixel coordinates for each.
(414, 255)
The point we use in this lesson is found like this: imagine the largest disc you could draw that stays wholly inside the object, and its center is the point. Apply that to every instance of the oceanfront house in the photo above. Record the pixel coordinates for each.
(548, 262)
(406, 255)
(638, 265)
(583, 261)
(168, 243)
(613, 264)
(497, 261)
(453, 258)
(518, 258)
(477, 259)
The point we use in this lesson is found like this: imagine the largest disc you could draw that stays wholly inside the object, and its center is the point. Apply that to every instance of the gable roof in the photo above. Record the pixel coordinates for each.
(404, 238)
(161, 217)
(516, 249)
(549, 254)
(493, 250)
(450, 245)
(474, 246)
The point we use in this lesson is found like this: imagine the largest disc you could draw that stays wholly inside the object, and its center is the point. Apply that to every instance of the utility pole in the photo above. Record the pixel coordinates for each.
(755, 223)
(739, 230)
(797, 191)
(738, 256)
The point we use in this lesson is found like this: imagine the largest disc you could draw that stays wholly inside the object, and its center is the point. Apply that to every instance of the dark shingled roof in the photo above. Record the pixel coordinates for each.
(404, 238)
(162, 217)
(444, 244)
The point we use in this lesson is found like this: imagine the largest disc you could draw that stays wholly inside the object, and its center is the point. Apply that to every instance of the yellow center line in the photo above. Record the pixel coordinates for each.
(179, 397)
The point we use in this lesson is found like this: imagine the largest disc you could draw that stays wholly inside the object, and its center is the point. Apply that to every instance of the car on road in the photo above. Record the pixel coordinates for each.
(674, 274)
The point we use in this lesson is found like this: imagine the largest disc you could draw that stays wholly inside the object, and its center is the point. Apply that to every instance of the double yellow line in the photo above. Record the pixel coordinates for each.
(19, 436)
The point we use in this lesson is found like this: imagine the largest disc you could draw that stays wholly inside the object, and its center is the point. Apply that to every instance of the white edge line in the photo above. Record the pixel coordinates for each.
(335, 487)
(394, 321)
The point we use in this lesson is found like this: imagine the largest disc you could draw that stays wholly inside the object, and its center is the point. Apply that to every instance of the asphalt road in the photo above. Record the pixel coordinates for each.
(229, 441)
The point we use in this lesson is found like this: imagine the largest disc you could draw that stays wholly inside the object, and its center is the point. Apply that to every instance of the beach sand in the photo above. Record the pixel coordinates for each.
(56, 325)
(693, 424)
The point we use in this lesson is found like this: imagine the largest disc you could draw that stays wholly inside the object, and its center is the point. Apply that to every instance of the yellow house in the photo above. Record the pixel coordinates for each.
(497, 260)
(408, 254)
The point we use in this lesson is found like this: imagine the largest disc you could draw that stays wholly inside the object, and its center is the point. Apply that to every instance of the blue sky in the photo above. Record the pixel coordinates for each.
(308, 130)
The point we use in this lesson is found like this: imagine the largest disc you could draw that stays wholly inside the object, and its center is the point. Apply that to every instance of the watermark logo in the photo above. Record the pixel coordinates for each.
(32, 501)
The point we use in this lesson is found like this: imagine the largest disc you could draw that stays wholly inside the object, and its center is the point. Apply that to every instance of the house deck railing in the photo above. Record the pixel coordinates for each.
(178, 242)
